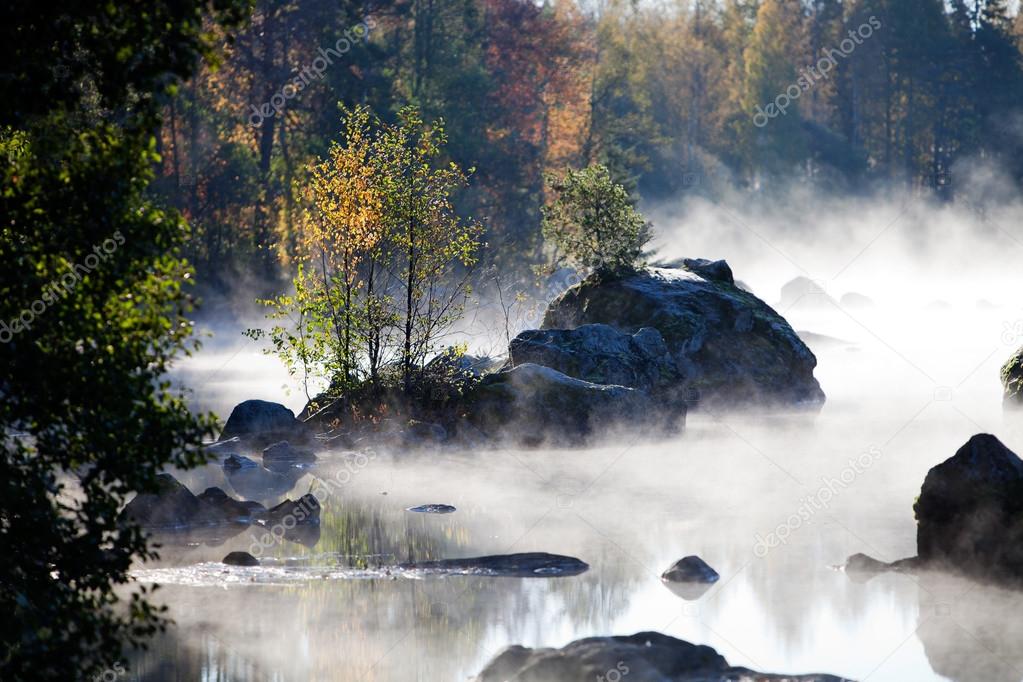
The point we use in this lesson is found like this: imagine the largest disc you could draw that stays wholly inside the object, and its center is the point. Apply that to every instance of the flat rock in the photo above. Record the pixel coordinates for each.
(432, 509)
(527, 565)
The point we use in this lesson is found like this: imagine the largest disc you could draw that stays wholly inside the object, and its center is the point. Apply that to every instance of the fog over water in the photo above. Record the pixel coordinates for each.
(772, 502)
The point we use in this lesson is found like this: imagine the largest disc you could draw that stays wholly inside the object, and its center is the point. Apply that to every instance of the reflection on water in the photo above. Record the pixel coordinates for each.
(771, 503)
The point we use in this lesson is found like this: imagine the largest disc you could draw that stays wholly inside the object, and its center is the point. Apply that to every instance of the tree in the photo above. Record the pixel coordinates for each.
(430, 241)
(93, 311)
(387, 258)
(593, 222)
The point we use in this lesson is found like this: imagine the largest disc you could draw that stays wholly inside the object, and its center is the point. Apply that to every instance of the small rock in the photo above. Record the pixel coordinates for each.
(240, 559)
(304, 511)
(690, 569)
(432, 508)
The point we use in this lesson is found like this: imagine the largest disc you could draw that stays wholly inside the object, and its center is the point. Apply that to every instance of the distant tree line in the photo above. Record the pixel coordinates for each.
(690, 95)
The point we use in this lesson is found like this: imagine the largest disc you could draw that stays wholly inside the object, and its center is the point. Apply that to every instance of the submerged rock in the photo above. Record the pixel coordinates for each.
(733, 348)
(970, 512)
(600, 354)
(526, 565)
(262, 421)
(1012, 379)
(240, 559)
(643, 657)
(433, 509)
(534, 404)
(283, 455)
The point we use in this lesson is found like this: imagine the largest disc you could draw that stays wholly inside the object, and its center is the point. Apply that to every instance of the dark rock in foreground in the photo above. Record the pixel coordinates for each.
(1012, 379)
(733, 348)
(690, 569)
(643, 657)
(970, 512)
(537, 404)
(527, 565)
(600, 354)
(263, 422)
(240, 559)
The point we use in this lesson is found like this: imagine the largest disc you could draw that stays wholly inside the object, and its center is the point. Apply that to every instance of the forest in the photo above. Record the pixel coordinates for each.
(671, 97)
(410, 339)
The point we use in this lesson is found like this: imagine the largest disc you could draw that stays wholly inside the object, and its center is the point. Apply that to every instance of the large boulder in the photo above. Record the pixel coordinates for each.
(733, 349)
(534, 404)
(263, 422)
(970, 512)
(1012, 379)
(600, 354)
(643, 657)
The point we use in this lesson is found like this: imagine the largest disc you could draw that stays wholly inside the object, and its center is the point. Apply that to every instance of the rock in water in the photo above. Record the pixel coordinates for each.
(262, 421)
(970, 512)
(1012, 380)
(690, 569)
(239, 463)
(524, 565)
(600, 354)
(240, 559)
(304, 511)
(733, 348)
(174, 506)
(432, 509)
(804, 292)
(283, 455)
(535, 404)
(171, 506)
(219, 507)
(643, 657)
